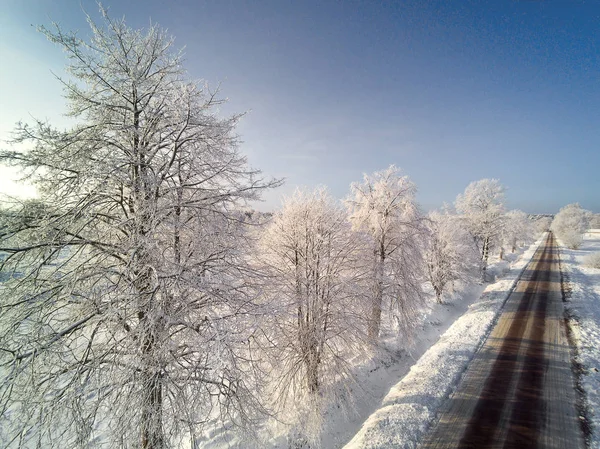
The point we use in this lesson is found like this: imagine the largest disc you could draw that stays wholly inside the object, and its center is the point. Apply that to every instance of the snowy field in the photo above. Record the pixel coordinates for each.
(584, 307)
(400, 390)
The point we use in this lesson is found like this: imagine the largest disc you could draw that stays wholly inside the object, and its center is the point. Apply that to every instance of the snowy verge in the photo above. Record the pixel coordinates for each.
(583, 307)
(411, 406)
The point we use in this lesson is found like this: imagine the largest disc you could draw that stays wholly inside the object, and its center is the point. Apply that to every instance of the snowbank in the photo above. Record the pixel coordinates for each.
(411, 405)
(584, 309)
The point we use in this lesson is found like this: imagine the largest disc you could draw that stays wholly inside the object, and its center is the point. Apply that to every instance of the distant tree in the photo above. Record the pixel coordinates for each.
(516, 230)
(570, 223)
(595, 221)
(450, 255)
(541, 224)
(384, 209)
(314, 272)
(128, 321)
(482, 206)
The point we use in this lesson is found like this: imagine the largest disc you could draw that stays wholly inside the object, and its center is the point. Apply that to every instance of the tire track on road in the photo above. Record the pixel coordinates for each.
(509, 397)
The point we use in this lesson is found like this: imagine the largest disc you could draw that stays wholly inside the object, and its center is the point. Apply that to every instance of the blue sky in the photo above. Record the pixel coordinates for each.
(450, 91)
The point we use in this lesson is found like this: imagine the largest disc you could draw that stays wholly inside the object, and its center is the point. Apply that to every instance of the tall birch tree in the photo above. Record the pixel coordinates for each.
(450, 256)
(128, 317)
(482, 208)
(314, 267)
(384, 210)
(516, 230)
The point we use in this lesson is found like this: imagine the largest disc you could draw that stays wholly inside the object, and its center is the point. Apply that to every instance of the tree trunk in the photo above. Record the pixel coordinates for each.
(377, 300)
(484, 257)
(312, 370)
(151, 425)
(375, 321)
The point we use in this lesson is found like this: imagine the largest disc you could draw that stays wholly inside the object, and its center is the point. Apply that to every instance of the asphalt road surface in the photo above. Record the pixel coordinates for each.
(518, 391)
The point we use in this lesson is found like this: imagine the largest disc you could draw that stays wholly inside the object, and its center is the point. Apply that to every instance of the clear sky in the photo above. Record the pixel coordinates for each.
(450, 91)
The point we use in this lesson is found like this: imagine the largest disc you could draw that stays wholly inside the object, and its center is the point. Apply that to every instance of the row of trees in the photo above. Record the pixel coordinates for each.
(332, 271)
(141, 301)
(337, 273)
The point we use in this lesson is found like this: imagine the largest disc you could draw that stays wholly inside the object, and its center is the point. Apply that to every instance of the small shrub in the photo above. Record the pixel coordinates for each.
(592, 260)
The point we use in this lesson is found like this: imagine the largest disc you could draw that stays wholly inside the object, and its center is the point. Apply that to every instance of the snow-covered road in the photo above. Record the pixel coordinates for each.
(519, 390)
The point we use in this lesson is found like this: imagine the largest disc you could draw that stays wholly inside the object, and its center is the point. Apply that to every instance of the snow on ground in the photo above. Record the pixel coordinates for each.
(375, 378)
(411, 406)
(584, 308)
(428, 369)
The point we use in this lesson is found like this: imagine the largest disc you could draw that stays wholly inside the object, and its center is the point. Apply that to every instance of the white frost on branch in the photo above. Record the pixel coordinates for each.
(570, 223)
(384, 210)
(450, 256)
(517, 230)
(314, 275)
(482, 207)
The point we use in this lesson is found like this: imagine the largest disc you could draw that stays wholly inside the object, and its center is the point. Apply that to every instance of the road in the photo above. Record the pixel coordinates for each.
(518, 391)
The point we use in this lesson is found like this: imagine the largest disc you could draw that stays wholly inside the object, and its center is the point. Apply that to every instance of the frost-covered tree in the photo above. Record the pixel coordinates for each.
(314, 273)
(384, 210)
(450, 255)
(541, 224)
(482, 207)
(516, 230)
(570, 223)
(127, 321)
(592, 260)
